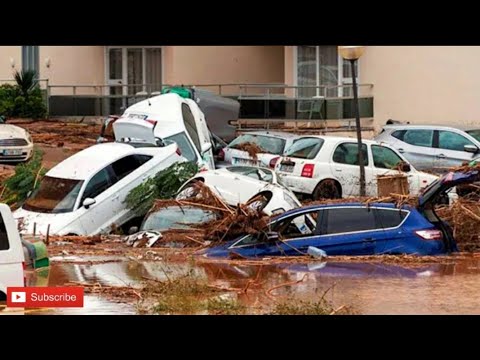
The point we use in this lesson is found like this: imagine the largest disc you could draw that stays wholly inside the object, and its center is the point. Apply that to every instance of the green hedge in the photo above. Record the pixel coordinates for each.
(14, 104)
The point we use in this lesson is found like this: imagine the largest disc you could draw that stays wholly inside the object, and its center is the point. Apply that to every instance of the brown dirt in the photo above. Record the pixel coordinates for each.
(59, 134)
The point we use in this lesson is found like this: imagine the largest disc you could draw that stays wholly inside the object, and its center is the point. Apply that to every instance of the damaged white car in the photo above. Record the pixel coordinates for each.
(240, 184)
(84, 194)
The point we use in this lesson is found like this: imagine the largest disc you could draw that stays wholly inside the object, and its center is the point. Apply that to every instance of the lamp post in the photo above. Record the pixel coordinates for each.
(352, 54)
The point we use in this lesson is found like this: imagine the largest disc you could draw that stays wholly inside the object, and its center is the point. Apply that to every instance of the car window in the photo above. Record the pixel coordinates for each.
(176, 217)
(347, 153)
(390, 218)
(385, 158)
(297, 226)
(452, 141)
(474, 133)
(399, 134)
(256, 173)
(345, 220)
(306, 148)
(185, 146)
(100, 182)
(268, 144)
(191, 126)
(4, 245)
(419, 137)
(128, 164)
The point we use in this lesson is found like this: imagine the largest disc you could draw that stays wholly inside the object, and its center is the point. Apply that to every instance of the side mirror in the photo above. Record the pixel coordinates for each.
(470, 149)
(133, 230)
(88, 202)
(405, 167)
(272, 236)
(206, 147)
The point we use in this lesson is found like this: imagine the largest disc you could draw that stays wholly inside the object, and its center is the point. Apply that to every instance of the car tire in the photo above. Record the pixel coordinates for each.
(327, 189)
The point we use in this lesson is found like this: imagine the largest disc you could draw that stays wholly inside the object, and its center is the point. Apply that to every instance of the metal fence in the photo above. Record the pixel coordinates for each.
(265, 101)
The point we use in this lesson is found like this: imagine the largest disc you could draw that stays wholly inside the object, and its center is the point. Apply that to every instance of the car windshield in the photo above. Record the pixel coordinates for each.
(306, 148)
(175, 217)
(268, 144)
(256, 173)
(474, 133)
(54, 195)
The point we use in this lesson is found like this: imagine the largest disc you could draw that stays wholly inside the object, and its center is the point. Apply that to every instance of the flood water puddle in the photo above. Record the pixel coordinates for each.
(368, 287)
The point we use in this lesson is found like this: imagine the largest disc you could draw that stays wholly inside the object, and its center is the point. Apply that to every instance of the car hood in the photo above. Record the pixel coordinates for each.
(440, 186)
(30, 219)
(11, 131)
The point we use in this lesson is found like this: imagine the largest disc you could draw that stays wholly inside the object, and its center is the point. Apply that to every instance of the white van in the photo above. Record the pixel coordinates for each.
(11, 253)
(180, 120)
(84, 194)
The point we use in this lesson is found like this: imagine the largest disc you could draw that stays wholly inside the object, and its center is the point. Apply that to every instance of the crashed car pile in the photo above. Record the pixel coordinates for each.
(243, 200)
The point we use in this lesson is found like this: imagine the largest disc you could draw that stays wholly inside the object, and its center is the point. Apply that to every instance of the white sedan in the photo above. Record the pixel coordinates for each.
(15, 143)
(239, 184)
(84, 194)
(327, 167)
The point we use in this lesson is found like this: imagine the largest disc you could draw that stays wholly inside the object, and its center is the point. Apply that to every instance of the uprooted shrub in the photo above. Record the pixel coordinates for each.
(164, 185)
(24, 99)
(27, 178)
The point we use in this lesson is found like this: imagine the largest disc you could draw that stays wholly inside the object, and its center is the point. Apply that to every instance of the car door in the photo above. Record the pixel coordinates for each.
(97, 217)
(451, 150)
(390, 237)
(385, 162)
(126, 178)
(417, 147)
(346, 169)
(198, 131)
(348, 230)
(295, 232)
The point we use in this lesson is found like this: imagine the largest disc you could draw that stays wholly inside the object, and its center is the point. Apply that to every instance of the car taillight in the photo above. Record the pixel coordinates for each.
(178, 151)
(430, 234)
(273, 162)
(153, 122)
(221, 155)
(307, 170)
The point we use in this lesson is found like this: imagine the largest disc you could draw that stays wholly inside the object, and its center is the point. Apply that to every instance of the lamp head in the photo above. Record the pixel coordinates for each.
(351, 52)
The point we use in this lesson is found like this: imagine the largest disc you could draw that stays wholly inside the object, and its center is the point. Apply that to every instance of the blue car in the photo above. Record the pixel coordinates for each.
(356, 228)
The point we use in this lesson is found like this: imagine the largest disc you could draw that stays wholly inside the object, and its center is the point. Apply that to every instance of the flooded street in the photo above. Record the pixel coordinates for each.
(449, 287)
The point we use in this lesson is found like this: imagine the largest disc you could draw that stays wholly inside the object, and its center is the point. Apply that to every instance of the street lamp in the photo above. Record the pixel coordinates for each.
(352, 54)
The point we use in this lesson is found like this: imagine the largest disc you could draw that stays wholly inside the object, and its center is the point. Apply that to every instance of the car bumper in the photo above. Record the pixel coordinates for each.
(15, 153)
(298, 184)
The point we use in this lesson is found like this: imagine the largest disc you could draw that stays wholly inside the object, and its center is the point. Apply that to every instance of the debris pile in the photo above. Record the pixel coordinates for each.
(230, 223)
(464, 218)
(251, 148)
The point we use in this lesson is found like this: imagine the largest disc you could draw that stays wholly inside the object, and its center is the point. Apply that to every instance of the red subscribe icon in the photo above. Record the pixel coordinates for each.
(37, 297)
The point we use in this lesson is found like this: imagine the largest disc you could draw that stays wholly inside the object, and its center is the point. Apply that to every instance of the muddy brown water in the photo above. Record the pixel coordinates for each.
(370, 287)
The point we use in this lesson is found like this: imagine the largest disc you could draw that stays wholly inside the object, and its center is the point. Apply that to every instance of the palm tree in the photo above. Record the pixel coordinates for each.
(27, 80)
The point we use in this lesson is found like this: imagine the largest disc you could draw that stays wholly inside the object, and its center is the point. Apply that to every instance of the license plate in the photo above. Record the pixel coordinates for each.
(238, 161)
(12, 152)
(286, 168)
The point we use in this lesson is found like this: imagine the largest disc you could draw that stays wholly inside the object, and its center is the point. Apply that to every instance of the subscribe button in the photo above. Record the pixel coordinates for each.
(37, 297)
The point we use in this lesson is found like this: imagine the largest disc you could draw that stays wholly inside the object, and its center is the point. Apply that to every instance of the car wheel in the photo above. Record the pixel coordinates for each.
(327, 189)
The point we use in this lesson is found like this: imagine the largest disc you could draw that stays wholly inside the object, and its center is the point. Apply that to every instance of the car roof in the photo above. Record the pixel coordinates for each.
(346, 204)
(90, 160)
(431, 127)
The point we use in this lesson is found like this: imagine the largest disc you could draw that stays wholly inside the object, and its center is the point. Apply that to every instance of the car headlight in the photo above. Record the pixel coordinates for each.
(29, 138)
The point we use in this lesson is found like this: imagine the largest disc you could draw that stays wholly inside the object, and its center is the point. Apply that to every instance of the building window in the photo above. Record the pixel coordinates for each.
(317, 66)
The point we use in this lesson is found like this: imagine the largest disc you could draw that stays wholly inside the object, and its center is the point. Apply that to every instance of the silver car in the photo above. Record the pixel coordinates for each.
(430, 147)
